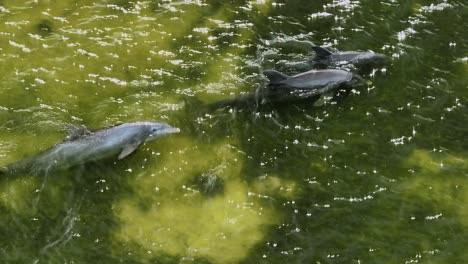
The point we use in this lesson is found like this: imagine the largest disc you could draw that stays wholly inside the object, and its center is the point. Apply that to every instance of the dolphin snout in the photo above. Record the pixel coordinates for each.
(168, 130)
(159, 129)
(171, 130)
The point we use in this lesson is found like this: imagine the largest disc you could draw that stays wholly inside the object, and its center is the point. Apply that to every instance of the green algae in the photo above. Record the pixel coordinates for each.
(170, 216)
(269, 185)
(17, 195)
(439, 181)
(294, 185)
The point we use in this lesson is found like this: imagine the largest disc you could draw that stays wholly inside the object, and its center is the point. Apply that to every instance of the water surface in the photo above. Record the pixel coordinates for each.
(378, 177)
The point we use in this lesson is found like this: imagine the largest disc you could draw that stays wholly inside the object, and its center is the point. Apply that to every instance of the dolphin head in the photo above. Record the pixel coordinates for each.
(379, 59)
(157, 129)
(370, 59)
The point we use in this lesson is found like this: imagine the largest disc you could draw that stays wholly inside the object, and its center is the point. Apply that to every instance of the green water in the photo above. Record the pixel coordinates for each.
(378, 177)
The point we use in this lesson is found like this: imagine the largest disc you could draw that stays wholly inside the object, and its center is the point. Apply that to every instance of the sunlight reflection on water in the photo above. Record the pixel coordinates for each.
(299, 183)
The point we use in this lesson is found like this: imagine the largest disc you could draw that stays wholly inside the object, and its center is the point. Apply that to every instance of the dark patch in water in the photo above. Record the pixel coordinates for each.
(125, 4)
(209, 184)
(45, 28)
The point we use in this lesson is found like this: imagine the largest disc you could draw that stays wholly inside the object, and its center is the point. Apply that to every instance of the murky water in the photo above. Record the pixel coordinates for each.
(378, 177)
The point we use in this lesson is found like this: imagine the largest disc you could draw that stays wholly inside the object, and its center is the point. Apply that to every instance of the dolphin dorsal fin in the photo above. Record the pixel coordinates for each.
(128, 149)
(321, 52)
(74, 131)
(275, 76)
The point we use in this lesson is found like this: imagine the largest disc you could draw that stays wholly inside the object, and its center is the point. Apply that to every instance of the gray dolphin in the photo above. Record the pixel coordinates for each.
(284, 89)
(359, 59)
(84, 146)
(310, 84)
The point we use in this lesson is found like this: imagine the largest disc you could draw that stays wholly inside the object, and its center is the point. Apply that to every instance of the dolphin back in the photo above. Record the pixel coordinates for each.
(275, 76)
(321, 52)
(317, 79)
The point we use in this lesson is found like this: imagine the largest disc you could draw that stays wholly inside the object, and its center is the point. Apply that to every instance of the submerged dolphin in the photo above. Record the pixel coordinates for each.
(324, 57)
(305, 86)
(84, 146)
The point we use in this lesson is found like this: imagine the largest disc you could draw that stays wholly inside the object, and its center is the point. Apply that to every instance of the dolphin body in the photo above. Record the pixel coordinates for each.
(84, 146)
(360, 59)
(285, 89)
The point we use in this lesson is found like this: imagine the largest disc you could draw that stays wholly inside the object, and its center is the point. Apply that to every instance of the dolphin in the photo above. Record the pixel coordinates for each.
(84, 146)
(282, 88)
(324, 57)
(310, 84)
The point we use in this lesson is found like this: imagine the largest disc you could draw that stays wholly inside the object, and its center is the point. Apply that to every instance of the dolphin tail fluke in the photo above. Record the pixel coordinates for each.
(275, 76)
(321, 52)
